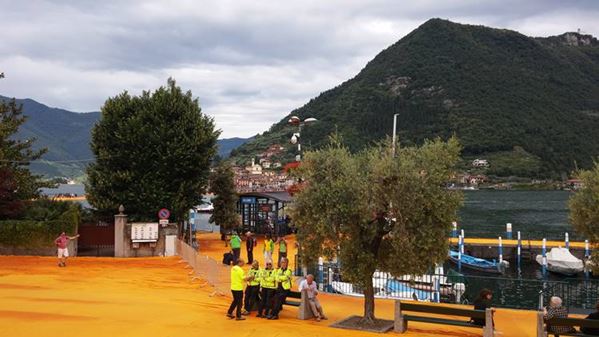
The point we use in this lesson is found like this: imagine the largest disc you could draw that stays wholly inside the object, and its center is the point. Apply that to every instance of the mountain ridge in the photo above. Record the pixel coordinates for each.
(499, 91)
(67, 134)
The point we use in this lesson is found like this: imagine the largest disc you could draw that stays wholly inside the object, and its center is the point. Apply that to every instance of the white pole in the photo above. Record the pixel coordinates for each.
(394, 131)
(567, 241)
(500, 250)
(462, 234)
(544, 252)
(508, 230)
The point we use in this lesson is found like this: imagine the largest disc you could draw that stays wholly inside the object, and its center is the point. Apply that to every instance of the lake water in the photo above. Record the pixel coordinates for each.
(536, 214)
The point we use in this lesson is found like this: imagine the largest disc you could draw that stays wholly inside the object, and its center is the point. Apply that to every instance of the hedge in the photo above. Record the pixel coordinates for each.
(33, 234)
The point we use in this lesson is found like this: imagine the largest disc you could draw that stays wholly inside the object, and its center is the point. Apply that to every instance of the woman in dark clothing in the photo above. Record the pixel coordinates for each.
(595, 315)
(482, 302)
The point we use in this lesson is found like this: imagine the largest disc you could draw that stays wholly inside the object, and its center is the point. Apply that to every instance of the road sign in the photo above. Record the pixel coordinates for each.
(163, 222)
(164, 213)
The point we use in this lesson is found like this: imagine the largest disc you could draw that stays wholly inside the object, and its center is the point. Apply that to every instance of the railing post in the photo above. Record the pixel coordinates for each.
(460, 248)
(320, 273)
(500, 250)
(519, 252)
(587, 256)
(454, 229)
(544, 255)
(567, 241)
(508, 230)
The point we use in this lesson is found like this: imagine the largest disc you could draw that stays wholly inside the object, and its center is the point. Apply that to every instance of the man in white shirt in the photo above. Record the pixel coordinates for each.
(310, 286)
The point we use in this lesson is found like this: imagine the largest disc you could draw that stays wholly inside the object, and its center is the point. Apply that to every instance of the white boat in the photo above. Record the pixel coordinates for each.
(380, 292)
(207, 208)
(561, 261)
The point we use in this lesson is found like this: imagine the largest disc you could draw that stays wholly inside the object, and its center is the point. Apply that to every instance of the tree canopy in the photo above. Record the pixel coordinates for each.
(375, 211)
(222, 184)
(17, 184)
(152, 151)
(584, 208)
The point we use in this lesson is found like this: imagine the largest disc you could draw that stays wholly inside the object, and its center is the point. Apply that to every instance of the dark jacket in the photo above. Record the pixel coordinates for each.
(480, 304)
(592, 331)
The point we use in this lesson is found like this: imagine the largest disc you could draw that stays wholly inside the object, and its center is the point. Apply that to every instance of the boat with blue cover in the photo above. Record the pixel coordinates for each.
(478, 264)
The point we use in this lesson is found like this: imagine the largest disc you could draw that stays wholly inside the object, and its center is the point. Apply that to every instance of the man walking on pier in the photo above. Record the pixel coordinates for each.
(62, 243)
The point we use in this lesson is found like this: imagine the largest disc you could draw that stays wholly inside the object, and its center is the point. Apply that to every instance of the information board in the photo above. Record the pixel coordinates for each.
(144, 232)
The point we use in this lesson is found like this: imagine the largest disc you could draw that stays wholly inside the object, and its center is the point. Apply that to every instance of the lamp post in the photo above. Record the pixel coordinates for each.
(394, 131)
(296, 137)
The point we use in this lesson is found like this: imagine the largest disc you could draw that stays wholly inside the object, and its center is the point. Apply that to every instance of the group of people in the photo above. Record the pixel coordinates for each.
(266, 289)
(250, 243)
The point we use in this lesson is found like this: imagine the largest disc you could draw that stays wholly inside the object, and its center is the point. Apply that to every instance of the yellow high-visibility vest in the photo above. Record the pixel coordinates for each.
(283, 278)
(237, 276)
(267, 279)
(257, 273)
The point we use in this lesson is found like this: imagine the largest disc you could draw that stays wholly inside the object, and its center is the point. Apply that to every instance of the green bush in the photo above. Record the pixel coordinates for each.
(41, 225)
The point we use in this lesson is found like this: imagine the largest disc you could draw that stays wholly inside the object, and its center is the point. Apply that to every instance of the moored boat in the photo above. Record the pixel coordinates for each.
(561, 261)
(478, 264)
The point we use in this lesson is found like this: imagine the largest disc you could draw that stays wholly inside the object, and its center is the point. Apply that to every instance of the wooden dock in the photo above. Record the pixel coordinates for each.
(507, 243)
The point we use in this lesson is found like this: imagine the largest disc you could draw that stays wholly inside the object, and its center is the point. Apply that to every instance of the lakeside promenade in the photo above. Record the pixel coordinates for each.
(156, 297)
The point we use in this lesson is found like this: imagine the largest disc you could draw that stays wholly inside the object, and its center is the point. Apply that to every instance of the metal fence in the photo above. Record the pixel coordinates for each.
(453, 287)
(213, 272)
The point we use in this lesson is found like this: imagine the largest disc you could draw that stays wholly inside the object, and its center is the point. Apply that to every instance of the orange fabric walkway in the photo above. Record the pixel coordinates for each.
(154, 297)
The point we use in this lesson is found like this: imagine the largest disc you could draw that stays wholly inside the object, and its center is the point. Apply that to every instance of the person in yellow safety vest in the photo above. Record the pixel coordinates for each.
(269, 286)
(268, 249)
(253, 287)
(283, 277)
(282, 248)
(238, 278)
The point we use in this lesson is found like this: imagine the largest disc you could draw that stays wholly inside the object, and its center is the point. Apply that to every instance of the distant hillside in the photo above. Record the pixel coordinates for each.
(530, 105)
(67, 134)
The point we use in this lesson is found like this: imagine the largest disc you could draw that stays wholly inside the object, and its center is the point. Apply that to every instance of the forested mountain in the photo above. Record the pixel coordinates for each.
(66, 135)
(529, 105)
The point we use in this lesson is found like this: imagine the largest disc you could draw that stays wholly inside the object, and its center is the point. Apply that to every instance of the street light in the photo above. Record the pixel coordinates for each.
(295, 138)
(394, 131)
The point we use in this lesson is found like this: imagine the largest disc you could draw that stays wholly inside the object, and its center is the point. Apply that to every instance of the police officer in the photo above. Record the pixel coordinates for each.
(283, 278)
(253, 287)
(268, 284)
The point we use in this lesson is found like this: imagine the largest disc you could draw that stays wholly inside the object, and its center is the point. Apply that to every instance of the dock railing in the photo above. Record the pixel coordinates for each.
(206, 268)
(514, 293)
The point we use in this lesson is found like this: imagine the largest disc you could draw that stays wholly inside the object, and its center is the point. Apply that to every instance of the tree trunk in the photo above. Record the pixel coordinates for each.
(368, 318)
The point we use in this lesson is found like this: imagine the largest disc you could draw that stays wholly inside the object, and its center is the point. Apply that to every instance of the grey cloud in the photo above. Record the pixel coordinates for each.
(241, 58)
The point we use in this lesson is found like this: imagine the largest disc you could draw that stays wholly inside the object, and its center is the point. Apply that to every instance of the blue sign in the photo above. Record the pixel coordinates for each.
(248, 200)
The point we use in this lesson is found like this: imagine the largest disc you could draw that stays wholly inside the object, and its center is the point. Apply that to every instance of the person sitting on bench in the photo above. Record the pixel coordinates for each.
(482, 302)
(556, 310)
(310, 286)
(594, 315)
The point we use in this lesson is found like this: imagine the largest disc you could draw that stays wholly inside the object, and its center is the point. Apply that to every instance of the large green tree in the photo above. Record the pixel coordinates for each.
(376, 211)
(584, 209)
(17, 184)
(222, 185)
(152, 151)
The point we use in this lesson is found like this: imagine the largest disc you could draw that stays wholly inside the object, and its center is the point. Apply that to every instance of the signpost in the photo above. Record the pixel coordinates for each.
(144, 232)
(164, 214)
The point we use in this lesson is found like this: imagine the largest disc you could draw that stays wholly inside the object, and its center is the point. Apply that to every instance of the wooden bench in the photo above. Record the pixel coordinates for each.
(401, 319)
(293, 294)
(573, 322)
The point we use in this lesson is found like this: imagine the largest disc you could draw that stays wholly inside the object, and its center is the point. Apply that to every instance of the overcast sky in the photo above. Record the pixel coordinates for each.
(249, 62)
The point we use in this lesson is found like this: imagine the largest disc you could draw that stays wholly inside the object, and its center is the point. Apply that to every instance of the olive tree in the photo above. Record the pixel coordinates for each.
(376, 211)
(584, 209)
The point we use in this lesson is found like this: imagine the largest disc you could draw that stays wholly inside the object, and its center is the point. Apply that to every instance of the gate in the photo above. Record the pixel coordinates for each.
(97, 239)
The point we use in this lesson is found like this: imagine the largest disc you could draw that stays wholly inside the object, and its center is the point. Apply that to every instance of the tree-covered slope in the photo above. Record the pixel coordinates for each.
(496, 89)
(66, 135)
